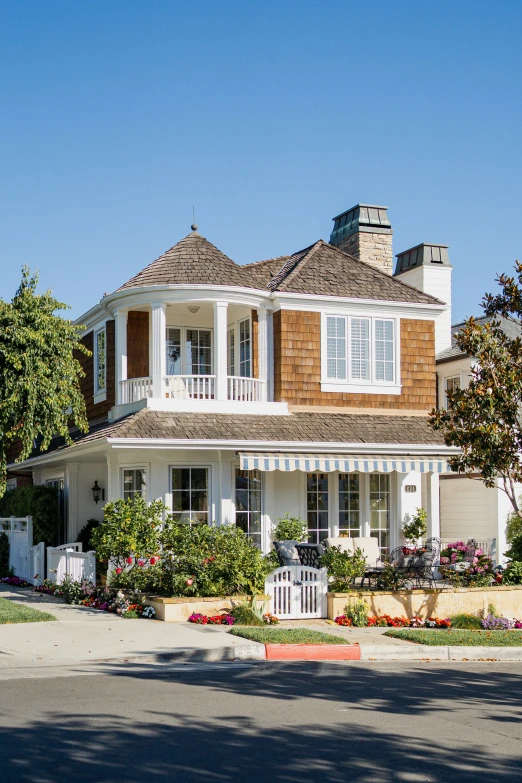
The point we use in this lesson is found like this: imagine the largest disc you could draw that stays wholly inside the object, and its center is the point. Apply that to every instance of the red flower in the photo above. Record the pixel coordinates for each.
(118, 570)
(153, 560)
(129, 560)
(189, 582)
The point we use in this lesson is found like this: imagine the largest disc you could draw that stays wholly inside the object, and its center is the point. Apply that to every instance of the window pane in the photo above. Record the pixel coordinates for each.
(190, 494)
(317, 506)
(349, 500)
(100, 360)
(248, 503)
(244, 349)
(133, 482)
(360, 348)
(230, 352)
(336, 347)
(173, 351)
(380, 506)
(384, 353)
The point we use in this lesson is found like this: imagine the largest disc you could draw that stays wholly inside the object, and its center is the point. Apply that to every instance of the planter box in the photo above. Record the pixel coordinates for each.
(178, 610)
(507, 600)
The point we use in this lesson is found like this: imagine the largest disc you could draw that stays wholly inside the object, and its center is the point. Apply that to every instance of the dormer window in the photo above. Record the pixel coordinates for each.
(359, 354)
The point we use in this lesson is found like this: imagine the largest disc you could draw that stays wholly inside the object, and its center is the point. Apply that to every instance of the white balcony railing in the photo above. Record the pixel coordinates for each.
(190, 387)
(135, 389)
(193, 387)
(244, 389)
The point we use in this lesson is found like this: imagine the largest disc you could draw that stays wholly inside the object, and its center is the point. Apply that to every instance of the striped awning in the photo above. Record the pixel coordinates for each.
(345, 463)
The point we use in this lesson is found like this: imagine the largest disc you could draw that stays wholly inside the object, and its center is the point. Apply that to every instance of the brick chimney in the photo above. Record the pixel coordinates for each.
(365, 232)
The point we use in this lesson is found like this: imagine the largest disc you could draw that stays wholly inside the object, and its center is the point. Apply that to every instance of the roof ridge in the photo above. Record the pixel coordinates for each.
(265, 261)
(294, 261)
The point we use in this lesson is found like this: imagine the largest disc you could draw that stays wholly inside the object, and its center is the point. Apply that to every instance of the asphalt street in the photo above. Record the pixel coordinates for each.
(357, 723)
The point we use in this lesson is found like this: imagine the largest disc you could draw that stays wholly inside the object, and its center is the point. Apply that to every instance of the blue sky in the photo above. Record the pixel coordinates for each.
(116, 116)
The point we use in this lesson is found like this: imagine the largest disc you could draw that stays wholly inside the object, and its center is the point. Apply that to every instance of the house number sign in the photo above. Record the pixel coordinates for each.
(410, 488)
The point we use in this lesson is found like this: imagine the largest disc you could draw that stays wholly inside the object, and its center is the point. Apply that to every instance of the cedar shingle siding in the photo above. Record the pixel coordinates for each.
(101, 409)
(137, 344)
(297, 365)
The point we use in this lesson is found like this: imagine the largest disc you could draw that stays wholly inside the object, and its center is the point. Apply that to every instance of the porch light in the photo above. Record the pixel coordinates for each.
(193, 309)
(98, 493)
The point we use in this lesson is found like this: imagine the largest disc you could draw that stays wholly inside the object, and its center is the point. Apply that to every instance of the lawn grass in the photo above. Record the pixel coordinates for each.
(286, 636)
(11, 612)
(458, 638)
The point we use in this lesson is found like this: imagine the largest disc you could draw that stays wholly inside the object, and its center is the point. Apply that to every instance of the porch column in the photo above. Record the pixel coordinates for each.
(120, 328)
(433, 504)
(159, 348)
(220, 350)
(262, 352)
(71, 493)
(410, 500)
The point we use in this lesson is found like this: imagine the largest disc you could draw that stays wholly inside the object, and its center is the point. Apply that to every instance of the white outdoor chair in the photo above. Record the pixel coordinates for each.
(178, 388)
(344, 542)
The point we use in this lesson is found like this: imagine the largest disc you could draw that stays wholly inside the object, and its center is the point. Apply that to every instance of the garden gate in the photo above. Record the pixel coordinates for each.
(26, 560)
(298, 592)
(69, 559)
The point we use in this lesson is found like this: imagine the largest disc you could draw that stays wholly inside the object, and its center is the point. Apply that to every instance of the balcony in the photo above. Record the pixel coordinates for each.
(193, 387)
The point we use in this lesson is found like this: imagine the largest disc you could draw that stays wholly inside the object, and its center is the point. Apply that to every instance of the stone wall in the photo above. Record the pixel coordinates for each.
(297, 365)
(433, 603)
(372, 248)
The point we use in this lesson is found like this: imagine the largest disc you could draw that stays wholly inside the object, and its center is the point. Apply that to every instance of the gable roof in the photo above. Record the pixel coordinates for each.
(325, 270)
(510, 326)
(320, 269)
(193, 260)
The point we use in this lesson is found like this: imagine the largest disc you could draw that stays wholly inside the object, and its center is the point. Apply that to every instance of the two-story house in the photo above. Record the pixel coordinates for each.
(238, 393)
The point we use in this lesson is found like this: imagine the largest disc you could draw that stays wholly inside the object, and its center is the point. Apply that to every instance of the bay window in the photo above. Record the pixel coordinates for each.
(359, 354)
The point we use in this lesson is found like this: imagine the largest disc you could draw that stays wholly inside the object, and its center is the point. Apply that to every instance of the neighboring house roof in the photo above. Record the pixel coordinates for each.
(302, 427)
(320, 269)
(509, 326)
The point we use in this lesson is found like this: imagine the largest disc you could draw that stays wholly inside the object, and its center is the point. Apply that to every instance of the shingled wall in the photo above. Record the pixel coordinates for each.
(137, 344)
(297, 365)
(101, 409)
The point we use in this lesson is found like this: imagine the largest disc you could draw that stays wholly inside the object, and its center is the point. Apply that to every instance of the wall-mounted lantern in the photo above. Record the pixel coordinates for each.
(98, 493)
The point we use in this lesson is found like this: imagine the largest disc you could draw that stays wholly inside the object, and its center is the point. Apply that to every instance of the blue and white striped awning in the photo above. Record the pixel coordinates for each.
(345, 463)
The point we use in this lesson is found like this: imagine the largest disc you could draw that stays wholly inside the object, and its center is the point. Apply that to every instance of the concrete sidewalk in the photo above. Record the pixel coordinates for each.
(83, 635)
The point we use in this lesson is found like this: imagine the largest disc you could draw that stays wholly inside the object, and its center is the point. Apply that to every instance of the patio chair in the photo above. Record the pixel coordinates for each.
(310, 554)
(345, 542)
(287, 553)
(434, 543)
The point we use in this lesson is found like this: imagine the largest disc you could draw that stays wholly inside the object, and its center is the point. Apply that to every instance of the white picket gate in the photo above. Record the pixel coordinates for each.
(26, 560)
(69, 559)
(298, 592)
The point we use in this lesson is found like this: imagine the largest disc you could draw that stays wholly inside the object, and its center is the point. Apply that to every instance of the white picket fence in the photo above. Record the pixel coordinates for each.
(26, 560)
(71, 560)
(298, 592)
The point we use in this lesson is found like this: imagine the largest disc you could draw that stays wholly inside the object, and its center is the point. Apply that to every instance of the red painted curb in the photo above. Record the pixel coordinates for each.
(313, 652)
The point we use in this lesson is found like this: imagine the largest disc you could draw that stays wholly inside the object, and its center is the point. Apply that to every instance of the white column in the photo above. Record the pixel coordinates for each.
(71, 489)
(220, 350)
(262, 351)
(433, 504)
(120, 328)
(410, 500)
(159, 348)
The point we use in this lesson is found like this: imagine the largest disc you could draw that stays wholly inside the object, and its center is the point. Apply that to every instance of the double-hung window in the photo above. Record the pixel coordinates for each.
(100, 361)
(189, 351)
(248, 504)
(190, 495)
(360, 354)
(452, 384)
(134, 482)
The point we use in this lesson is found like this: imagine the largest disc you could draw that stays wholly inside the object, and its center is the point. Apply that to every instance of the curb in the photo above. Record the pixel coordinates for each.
(424, 652)
(313, 652)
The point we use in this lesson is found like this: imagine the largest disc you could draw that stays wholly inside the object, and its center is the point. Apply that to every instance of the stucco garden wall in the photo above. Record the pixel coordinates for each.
(433, 603)
(178, 610)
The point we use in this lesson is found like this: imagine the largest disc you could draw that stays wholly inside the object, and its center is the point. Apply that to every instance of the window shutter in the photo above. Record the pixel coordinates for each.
(360, 349)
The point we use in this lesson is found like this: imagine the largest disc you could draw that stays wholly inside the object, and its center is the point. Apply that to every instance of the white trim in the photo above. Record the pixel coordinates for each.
(315, 303)
(100, 397)
(250, 297)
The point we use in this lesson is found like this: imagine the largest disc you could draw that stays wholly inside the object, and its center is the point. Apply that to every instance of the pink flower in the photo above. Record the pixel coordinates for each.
(118, 570)
(129, 560)
(141, 562)
(479, 552)
(189, 582)
(444, 560)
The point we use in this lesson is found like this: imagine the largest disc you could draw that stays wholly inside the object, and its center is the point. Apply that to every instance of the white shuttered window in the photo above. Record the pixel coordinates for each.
(360, 350)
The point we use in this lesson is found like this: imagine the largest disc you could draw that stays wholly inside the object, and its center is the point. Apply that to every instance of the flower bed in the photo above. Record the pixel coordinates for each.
(480, 572)
(15, 581)
(85, 593)
(216, 619)
(385, 621)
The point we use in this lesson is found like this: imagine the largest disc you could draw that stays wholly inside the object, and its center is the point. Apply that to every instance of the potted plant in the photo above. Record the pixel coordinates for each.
(415, 528)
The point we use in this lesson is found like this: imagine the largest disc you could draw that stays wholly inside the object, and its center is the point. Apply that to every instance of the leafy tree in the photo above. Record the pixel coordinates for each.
(484, 420)
(40, 395)
(290, 529)
(130, 530)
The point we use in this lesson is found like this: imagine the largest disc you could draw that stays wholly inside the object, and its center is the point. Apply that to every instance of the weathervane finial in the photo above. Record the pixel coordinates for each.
(194, 225)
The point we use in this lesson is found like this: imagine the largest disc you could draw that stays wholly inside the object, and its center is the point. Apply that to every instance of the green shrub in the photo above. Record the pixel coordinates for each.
(130, 528)
(468, 621)
(417, 527)
(290, 529)
(4, 555)
(357, 612)
(513, 527)
(85, 534)
(342, 567)
(390, 578)
(513, 573)
(515, 550)
(42, 503)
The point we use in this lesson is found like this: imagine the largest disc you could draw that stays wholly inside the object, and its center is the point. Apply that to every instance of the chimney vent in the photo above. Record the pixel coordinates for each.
(365, 232)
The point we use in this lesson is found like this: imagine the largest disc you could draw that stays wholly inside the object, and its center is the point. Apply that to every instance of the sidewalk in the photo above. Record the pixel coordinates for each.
(83, 635)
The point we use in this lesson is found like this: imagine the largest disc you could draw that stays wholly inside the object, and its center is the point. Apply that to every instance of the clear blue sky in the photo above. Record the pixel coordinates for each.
(270, 116)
